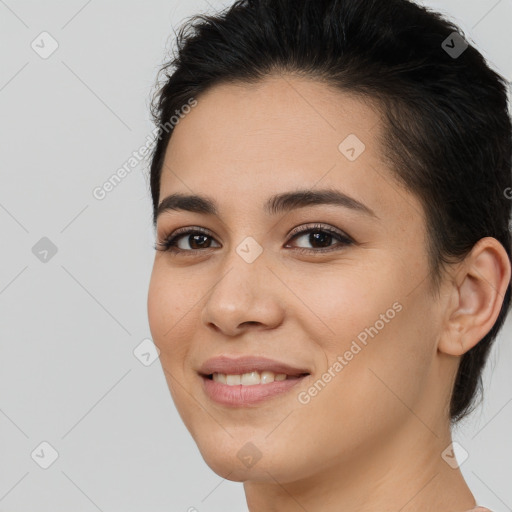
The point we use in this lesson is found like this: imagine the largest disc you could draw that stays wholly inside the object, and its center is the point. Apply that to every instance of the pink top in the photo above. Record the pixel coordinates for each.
(479, 509)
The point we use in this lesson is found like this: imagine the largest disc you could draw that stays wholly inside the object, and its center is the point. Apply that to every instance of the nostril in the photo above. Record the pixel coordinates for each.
(251, 322)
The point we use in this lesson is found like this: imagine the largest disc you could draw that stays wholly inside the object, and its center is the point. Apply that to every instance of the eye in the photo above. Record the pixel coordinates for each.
(192, 241)
(186, 240)
(321, 238)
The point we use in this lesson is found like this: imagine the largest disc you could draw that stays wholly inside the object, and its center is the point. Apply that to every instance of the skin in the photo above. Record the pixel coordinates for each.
(372, 438)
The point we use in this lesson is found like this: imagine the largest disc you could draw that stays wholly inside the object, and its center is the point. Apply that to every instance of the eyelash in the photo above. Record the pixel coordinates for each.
(169, 243)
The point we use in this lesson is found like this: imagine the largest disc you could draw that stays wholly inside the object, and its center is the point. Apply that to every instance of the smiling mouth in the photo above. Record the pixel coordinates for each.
(249, 389)
(252, 378)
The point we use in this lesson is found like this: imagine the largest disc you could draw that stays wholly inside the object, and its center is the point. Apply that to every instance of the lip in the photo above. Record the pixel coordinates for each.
(247, 396)
(246, 364)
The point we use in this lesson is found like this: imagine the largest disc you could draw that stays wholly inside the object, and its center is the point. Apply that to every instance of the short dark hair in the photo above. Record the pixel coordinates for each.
(447, 129)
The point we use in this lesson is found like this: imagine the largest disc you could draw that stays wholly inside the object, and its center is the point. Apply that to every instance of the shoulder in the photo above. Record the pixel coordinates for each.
(479, 509)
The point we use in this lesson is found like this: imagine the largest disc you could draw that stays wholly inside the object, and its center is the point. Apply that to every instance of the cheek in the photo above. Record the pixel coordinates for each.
(168, 324)
(341, 302)
(374, 329)
(169, 317)
(367, 396)
(386, 359)
(156, 293)
(169, 303)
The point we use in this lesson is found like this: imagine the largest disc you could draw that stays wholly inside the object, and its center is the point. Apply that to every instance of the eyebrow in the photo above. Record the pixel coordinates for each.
(277, 204)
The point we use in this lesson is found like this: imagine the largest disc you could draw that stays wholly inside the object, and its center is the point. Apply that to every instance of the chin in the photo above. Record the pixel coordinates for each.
(240, 460)
(235, 458)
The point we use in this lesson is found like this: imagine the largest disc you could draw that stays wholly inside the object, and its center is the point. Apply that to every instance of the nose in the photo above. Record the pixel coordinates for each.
(246, 296)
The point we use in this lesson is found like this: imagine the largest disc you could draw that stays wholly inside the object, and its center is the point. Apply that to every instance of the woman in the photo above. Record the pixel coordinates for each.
(333, 257)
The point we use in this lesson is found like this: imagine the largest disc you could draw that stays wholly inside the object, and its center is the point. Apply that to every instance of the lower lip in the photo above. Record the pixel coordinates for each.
(240, 396)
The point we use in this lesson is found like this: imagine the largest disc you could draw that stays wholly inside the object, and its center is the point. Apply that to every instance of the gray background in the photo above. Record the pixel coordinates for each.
(68, 326)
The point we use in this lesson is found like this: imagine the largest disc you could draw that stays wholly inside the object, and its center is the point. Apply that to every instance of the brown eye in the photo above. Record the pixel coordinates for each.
(197, 241)
(317, 238)
(320, 239)
(187, 241)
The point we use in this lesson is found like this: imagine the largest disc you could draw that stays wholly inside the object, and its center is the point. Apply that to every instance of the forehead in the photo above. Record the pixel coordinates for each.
(244, 142)
(272, 119)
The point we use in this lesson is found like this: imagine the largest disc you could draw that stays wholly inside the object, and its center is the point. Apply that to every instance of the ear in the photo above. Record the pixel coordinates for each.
(477, 294)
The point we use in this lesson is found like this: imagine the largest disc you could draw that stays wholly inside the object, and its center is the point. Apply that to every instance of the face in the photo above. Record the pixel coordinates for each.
(328, 289)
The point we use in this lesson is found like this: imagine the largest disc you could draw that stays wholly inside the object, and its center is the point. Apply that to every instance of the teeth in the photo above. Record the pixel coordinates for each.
(267, 377)
(220, 377)
(233, 380)
(249, 379)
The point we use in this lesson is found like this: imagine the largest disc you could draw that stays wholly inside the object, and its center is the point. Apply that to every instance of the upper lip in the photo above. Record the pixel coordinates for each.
(246, 364)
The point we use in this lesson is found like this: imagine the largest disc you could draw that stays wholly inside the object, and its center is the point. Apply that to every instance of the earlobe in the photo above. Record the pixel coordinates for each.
(477, 296)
